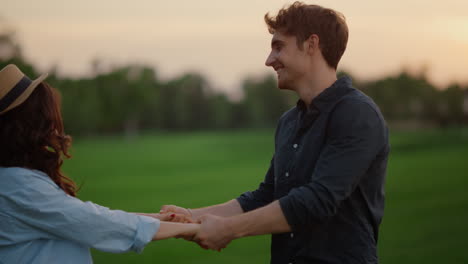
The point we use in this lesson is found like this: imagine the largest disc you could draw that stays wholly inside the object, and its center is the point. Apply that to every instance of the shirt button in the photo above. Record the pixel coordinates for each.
(292, 235)
(287, 174)
(295, 146)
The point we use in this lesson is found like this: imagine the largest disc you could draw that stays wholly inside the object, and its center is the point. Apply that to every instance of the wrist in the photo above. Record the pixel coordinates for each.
(235, 227)
(190, 213)
(194, 214)
(190, 229)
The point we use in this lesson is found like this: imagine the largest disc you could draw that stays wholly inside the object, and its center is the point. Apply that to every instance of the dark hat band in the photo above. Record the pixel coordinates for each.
(14, 93)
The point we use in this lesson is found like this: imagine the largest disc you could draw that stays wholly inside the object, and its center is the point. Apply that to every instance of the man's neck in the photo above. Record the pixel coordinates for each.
(314, 84)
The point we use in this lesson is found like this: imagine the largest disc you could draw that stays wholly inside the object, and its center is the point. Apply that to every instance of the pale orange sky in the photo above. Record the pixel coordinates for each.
(227, 40)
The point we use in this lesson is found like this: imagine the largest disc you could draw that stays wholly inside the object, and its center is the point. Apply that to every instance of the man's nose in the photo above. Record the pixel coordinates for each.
(270, 60)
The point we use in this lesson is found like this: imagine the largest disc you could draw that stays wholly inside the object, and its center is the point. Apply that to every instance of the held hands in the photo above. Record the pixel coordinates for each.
(170, 217)
(174, 225)
(166, 209)
(176, 214)
(214, 232)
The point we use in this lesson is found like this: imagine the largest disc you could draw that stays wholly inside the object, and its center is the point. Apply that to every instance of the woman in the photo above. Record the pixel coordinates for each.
(41, 221)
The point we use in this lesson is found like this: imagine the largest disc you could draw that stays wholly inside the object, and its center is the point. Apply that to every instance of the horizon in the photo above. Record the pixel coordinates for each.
(209, 37)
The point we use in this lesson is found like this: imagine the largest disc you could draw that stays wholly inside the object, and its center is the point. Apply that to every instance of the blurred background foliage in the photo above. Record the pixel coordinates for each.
(130, 99)
(222, 148)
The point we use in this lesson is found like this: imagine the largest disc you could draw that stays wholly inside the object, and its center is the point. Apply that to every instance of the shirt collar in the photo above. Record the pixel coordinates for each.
(331, 94)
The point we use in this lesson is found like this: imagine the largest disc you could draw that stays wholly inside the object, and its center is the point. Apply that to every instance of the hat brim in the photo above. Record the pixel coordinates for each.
(25, 95)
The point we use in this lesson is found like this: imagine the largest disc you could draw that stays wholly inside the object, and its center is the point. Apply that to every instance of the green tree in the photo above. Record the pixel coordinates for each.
(264, 102)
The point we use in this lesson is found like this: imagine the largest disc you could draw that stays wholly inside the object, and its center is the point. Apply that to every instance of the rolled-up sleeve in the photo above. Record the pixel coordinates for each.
(42, 210)
(147, 228)
(356, 134)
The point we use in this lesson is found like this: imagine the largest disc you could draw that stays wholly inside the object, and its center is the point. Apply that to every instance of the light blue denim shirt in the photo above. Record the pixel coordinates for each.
(40, 223)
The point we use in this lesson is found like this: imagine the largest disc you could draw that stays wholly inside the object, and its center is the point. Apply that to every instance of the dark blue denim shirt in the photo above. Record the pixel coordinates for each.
(328, 173)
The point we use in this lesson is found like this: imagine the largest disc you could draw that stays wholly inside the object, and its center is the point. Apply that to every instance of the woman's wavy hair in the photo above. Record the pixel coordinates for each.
(32, 136)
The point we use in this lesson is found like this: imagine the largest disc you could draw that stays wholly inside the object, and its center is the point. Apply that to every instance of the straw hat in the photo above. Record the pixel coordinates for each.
(15, 87)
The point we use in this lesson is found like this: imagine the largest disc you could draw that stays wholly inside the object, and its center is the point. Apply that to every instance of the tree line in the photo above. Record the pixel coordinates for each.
(132, 98)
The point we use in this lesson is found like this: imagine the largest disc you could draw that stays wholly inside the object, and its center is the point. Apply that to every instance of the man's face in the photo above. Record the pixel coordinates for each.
(289, 62)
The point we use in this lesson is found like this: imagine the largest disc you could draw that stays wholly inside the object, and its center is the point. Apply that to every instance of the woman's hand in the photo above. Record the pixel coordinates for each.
(170, 217)
(176, 209)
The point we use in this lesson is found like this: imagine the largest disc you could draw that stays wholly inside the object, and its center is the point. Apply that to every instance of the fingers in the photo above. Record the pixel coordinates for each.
(208, 246)
(168, 208)
(175, 209)
(211, 233)
(175, 217)
(180, 218)
(164, 217)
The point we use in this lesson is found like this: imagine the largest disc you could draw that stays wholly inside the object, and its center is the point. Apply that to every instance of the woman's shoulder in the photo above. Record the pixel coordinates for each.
(14, 176)
(21, 172)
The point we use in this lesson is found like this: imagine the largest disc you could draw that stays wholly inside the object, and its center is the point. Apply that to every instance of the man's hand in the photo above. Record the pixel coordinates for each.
(217, 232)
(214, 232)
(181, 215)
(170, 217)
(175, 209)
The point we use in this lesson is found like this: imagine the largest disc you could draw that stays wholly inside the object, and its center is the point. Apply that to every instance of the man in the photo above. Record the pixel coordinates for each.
(323, 195)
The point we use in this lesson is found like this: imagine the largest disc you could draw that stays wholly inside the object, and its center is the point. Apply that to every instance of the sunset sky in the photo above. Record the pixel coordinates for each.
(228, 40)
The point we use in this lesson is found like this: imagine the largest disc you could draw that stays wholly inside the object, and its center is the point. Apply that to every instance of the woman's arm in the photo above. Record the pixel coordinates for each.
(43, 211)
(172, 217)
(183, 228)
(169, 229)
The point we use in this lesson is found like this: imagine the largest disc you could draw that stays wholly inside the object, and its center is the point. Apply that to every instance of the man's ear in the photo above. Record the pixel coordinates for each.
(312, 44)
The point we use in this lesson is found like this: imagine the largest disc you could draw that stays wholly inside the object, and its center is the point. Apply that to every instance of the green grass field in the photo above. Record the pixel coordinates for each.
(426, 213)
